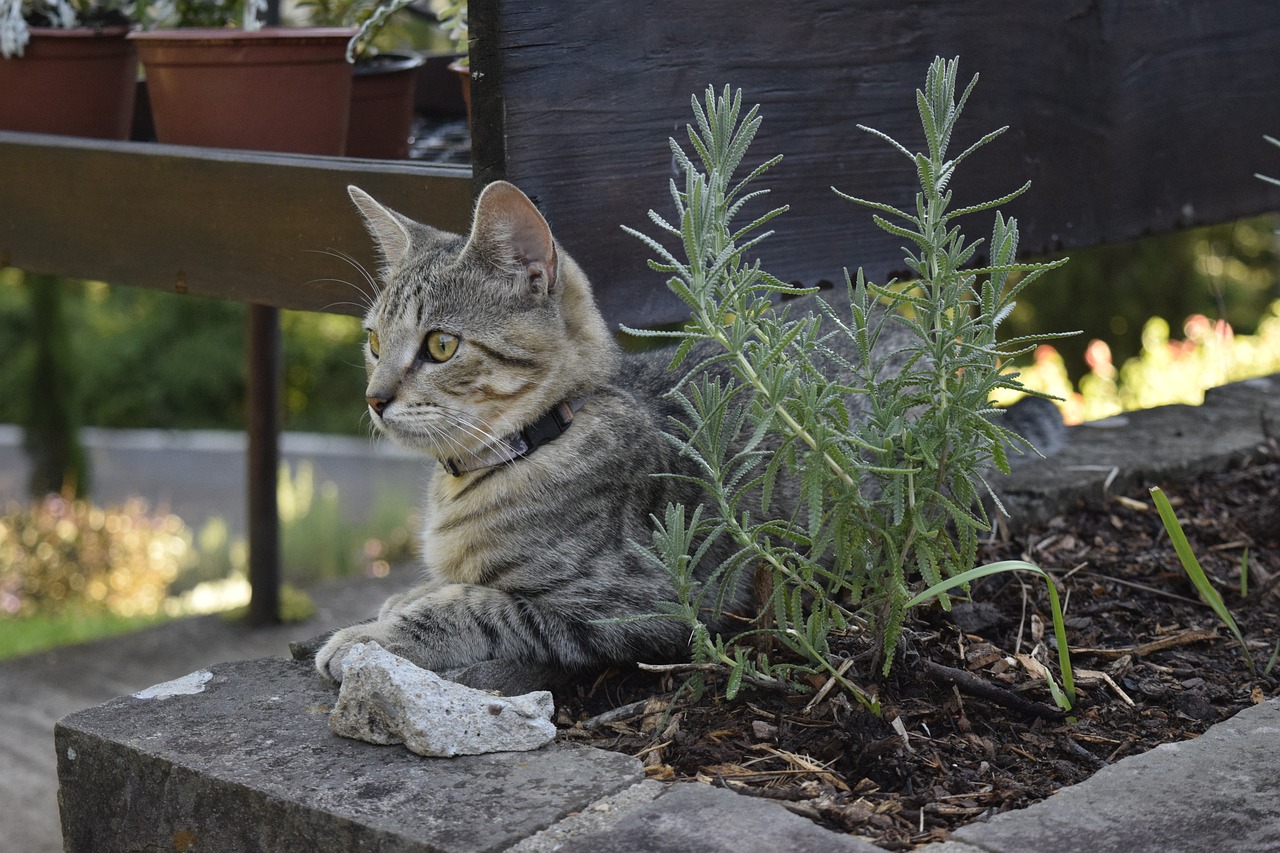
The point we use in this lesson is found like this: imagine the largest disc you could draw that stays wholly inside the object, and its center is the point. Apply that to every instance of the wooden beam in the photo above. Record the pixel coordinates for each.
(1128, 117)
(253, 227)
(265, 371)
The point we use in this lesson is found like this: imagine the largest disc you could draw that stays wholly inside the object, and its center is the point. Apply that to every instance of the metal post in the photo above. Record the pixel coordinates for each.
(264, 381)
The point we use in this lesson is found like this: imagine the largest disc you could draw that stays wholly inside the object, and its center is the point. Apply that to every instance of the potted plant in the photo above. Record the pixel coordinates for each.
(269, 89)
(327, 71)
(383, 82)
(66, 68)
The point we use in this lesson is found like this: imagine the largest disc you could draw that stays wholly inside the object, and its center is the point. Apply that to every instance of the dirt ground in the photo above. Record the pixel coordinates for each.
(967, 728)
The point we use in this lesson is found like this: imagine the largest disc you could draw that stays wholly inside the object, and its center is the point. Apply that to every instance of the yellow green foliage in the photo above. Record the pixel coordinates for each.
(1167, 371)
(58, 555)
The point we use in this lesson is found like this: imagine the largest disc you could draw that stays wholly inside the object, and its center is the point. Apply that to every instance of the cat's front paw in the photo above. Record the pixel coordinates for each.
(329, 658)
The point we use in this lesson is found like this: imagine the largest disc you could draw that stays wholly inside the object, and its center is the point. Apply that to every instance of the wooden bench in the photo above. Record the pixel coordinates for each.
(1129, 118)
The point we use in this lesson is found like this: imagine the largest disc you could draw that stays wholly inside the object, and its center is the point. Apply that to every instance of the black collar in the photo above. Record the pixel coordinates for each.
(519, 445)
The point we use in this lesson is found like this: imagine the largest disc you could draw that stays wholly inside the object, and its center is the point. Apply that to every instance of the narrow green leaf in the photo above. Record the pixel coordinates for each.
(1191, 565)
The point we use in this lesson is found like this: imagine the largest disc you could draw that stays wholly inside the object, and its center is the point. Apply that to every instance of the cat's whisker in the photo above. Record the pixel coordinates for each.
(446, 437)
(366, 301)
(332, 305)
(359, 267)
(356, 265)
(368, 295)
(487, 437)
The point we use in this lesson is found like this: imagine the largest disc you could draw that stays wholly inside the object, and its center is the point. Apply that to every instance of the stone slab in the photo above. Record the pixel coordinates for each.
(599, 816)
(1220, 791)
(244, 761)
(1121, 455)
(694, 817)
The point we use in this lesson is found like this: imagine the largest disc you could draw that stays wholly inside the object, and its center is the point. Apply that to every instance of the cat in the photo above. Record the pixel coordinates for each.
(488, 354)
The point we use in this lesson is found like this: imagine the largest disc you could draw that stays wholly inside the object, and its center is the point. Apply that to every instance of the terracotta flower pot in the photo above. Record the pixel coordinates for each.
(74, 82)
(464, 80)
(382, 93)
(270, 90)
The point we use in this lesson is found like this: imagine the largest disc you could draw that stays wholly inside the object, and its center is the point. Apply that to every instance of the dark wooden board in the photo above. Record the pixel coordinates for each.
(253, 227)
(1128, 117)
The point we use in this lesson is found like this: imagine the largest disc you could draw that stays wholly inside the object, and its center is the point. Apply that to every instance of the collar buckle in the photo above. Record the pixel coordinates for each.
(550, 426)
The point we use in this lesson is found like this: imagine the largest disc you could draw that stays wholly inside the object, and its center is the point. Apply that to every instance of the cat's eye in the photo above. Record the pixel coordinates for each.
(440, 346)
(374, 343)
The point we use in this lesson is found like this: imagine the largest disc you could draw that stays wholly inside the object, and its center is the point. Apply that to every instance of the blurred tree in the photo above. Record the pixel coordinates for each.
(52, 413)
(163, 360)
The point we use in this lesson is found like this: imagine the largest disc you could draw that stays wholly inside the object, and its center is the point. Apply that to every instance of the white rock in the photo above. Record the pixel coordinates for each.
(187, 685)
(386, 699)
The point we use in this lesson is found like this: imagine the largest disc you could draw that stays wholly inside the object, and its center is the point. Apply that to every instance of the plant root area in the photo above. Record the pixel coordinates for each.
(967, 727)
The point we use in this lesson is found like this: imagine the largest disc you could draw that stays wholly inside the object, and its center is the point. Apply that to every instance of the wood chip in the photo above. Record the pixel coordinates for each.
(763, 730)
(980, 655)
(901, 729)
(1087, 677)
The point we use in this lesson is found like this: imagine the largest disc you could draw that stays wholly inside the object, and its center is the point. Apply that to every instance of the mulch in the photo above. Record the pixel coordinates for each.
(967, 727)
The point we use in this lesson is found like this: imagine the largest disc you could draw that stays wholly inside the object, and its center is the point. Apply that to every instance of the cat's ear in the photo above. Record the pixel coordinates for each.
(511, 237)
(387, 228)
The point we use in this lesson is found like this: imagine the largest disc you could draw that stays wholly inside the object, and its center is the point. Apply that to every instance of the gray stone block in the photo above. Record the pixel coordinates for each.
(694, 817)
(1217, 792)
(1120, 455)
(248, 764)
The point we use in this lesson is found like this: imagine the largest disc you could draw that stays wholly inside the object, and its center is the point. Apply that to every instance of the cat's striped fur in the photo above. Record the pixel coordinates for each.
(528, 562)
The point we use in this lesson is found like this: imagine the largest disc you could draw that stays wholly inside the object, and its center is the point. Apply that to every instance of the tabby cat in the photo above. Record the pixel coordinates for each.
(488, 353)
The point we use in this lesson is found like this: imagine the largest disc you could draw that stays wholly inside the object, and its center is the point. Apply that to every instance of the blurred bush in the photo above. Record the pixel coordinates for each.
(1109, 292)
(318, 543)
(62, 556)
(58, 555)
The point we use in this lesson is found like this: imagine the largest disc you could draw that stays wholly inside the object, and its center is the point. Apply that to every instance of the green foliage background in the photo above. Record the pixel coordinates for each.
(151, 359)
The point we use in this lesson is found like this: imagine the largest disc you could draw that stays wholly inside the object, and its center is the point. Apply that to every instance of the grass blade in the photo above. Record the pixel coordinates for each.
(1065, 702)
(1192, 567)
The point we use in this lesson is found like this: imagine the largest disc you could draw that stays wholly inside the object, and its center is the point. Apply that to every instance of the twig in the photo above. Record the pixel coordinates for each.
(986, 690)
(1151, 589)
(826, 688)
(1128, 742)
(616, 715)
(1090, 676)
(1142, 650)
(787, 794)
(1077, 748)
(768, 683)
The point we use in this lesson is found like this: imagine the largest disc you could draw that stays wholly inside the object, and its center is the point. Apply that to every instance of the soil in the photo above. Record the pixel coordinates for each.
(982, 736)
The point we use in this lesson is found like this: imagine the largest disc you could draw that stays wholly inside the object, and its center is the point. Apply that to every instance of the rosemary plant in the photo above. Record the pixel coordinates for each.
(882, 417)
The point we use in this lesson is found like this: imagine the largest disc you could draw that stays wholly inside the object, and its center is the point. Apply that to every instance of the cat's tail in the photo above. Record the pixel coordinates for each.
(1039, 422)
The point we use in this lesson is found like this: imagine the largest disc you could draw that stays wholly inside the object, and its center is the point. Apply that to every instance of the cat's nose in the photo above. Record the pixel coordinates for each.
(378, 404)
